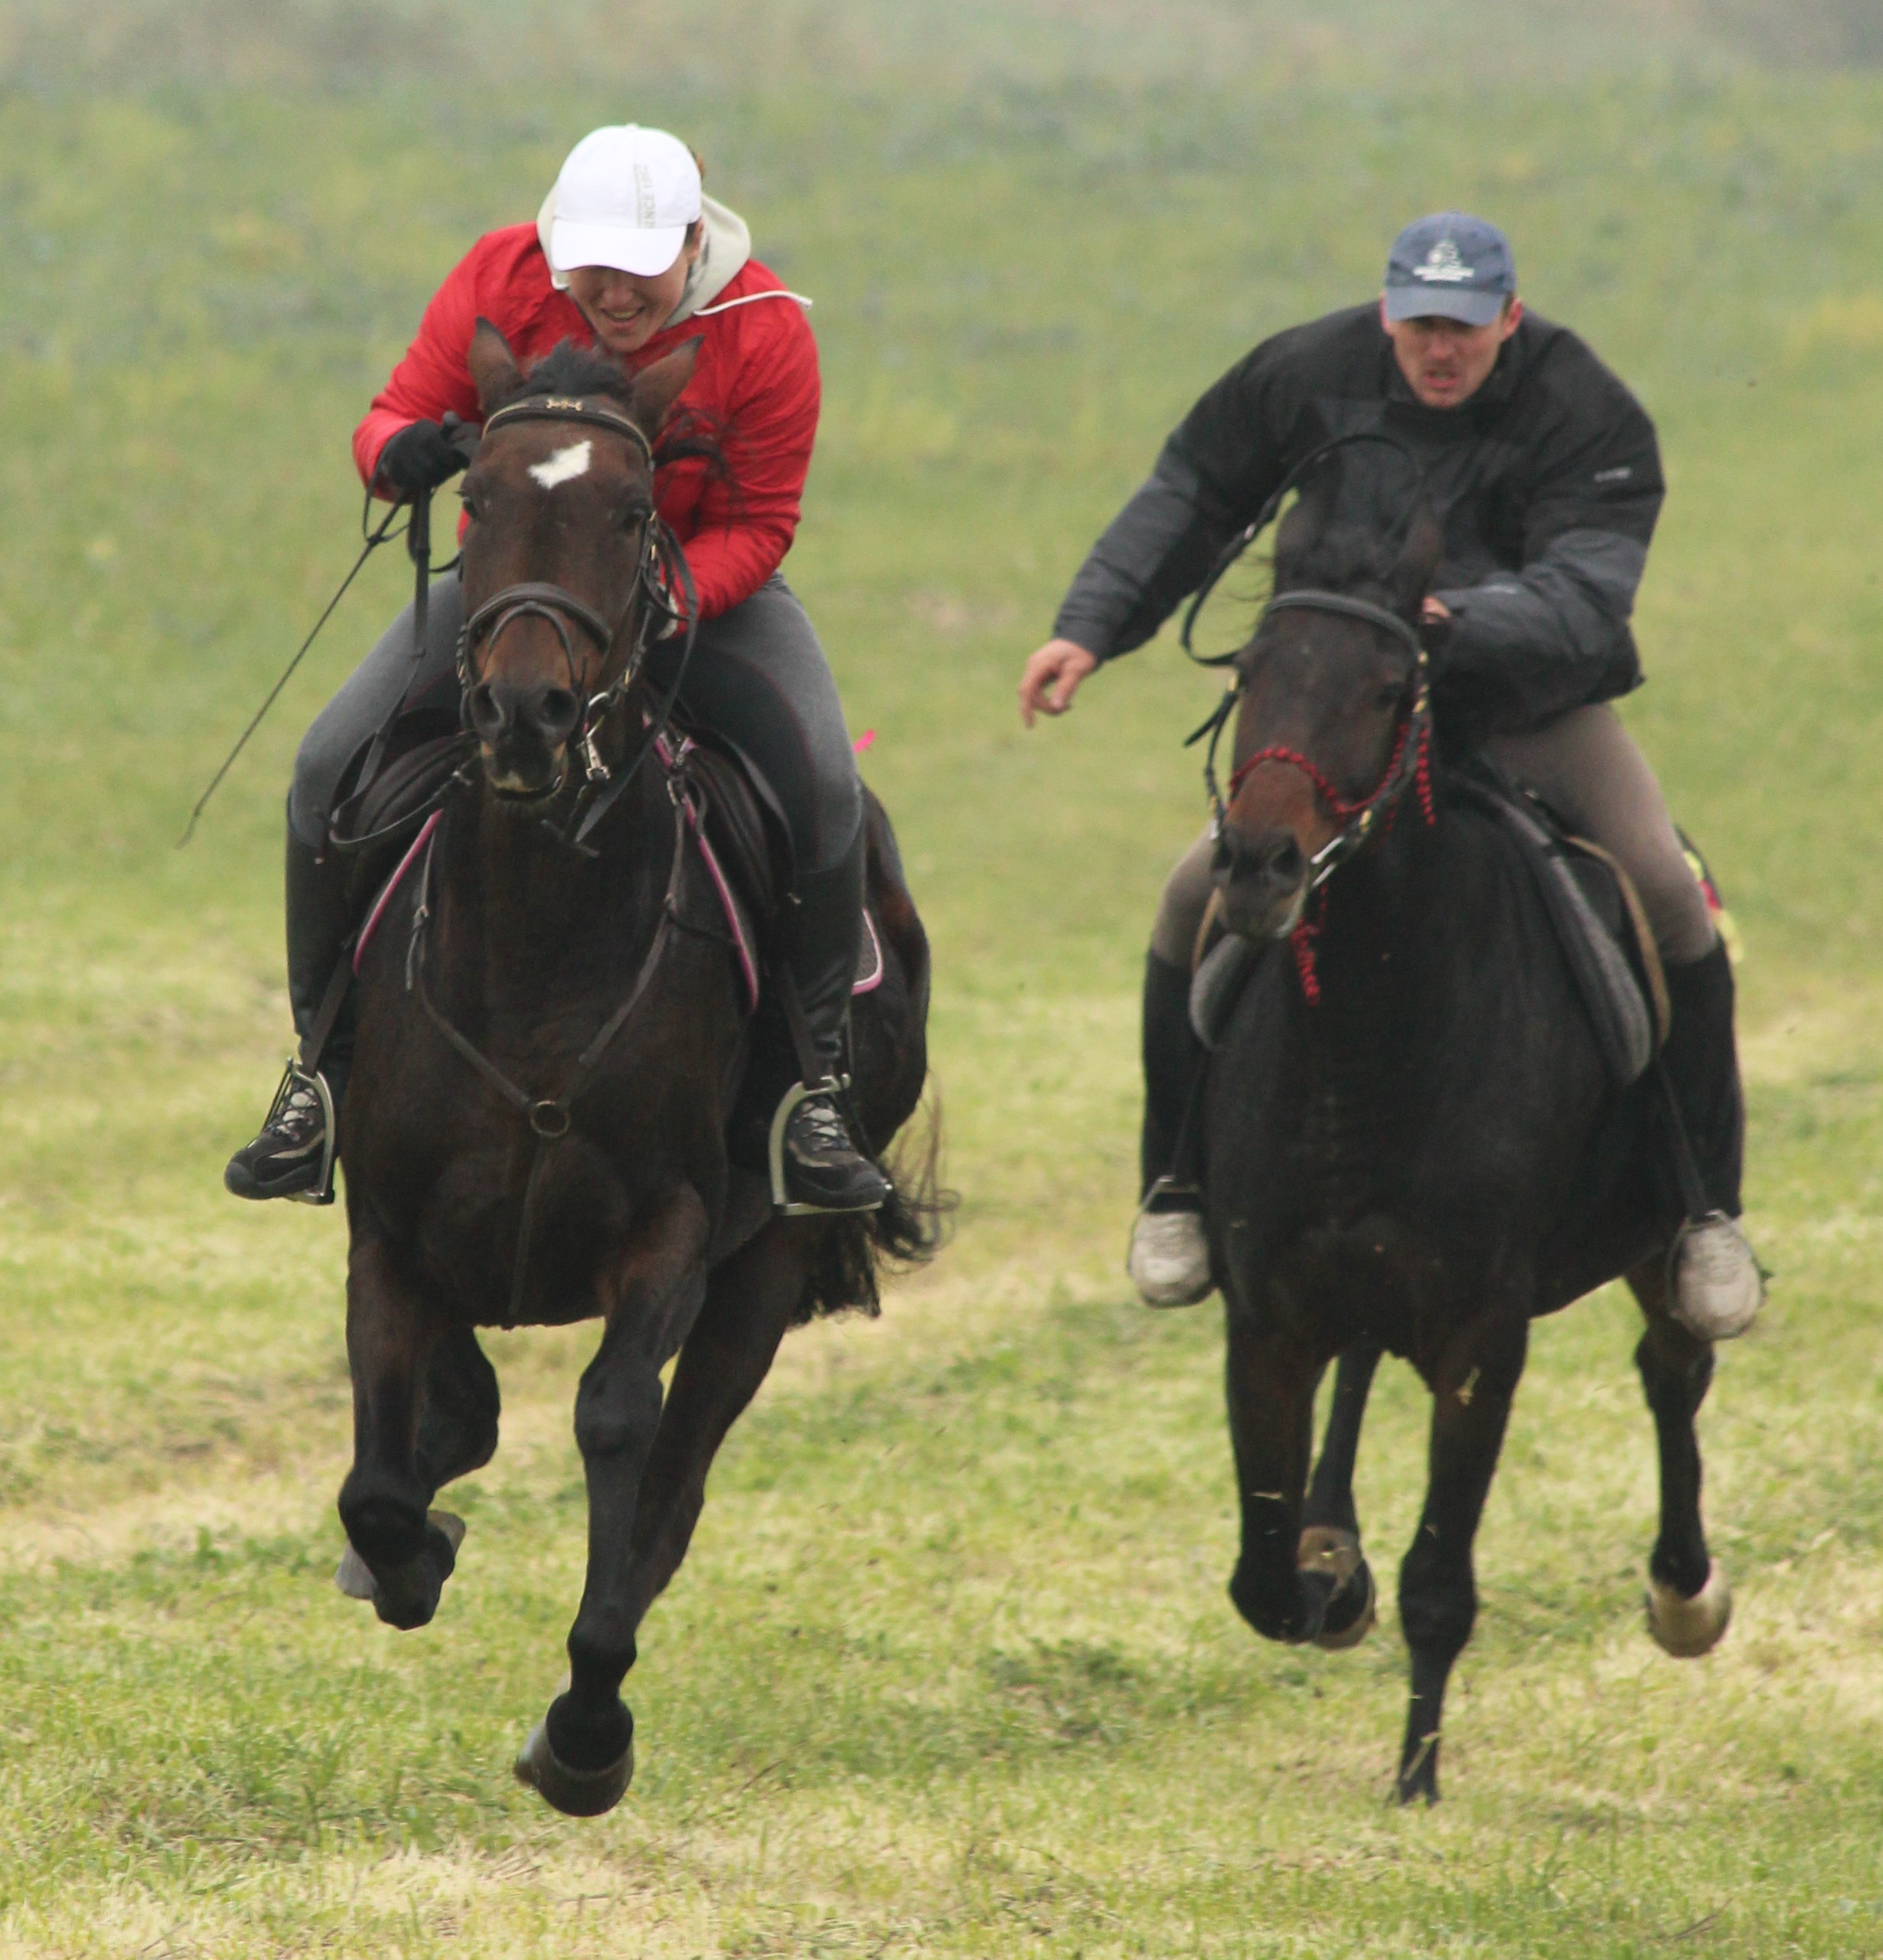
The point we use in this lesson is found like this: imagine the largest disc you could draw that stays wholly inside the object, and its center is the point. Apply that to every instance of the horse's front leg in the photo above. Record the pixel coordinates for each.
(582, 1757)
(1689, 1600)
(1472, 1390)
(1272, 1377)
(1330, 1527)
(392, 1328)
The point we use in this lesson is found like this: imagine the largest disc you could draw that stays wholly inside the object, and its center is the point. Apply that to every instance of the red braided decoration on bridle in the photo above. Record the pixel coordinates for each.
(1301, 940)
(1339, 804)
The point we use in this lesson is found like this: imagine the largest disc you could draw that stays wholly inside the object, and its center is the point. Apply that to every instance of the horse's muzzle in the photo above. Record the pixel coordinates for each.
(524, 732)
(1263, 880)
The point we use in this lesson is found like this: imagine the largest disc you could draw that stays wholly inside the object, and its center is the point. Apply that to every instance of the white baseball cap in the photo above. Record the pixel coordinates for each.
(625, 198)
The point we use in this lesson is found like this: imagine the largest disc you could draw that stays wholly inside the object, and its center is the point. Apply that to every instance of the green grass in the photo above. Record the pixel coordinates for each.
(951, 1670)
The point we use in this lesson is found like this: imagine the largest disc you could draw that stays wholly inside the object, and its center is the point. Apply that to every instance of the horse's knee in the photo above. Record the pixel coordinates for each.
(1438, 1597)
(1676, 1368)
(615, 1416)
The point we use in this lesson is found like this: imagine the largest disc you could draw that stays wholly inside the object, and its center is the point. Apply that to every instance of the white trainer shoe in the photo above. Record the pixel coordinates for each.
(1716, 1285)
(1169, 1259)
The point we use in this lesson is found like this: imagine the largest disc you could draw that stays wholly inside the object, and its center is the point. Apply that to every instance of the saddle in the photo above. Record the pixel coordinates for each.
(1591, 902)
(737, 821)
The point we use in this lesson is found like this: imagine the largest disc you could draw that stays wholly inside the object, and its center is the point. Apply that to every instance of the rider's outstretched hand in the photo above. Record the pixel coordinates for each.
(1052, 678)
(417, 460)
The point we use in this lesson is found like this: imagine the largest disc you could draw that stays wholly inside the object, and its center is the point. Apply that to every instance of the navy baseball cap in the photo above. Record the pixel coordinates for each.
(1450, 264)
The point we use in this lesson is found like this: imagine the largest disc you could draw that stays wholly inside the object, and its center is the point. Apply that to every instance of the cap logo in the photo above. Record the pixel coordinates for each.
(1443, 266)
(643, 197)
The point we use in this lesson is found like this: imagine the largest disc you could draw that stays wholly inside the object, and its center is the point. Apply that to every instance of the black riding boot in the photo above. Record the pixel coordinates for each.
(1170, 1253)
(1717, 1286)
(816, 1164)
(1173, 1060)
(292, 1157)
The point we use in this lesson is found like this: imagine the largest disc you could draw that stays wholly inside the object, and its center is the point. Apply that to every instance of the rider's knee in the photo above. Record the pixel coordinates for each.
(1186, 899)
(1676, 909)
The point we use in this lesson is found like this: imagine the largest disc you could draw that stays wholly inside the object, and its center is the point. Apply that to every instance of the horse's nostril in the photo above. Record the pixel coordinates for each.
(487, 714)
(557, 712)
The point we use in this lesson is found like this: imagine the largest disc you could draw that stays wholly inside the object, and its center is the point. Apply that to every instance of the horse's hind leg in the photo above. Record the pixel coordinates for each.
(1330, 1527)
(582, 1757)
(1471, 1394)
(391, 1332)
(749, 1304)
(1689, 1600)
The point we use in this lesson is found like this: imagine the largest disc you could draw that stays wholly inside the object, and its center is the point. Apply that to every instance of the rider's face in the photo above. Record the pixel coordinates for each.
(1444, 361)
(627, 309)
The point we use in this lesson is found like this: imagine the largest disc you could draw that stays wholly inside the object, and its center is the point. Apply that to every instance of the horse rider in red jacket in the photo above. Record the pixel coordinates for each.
(629, 257)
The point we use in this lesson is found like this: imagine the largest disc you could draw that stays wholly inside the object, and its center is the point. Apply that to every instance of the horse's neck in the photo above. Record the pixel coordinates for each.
(537, 918)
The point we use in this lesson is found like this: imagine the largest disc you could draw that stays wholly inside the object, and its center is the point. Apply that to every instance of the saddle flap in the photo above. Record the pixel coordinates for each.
(1577, 888)
(421, 755)
(744, 820)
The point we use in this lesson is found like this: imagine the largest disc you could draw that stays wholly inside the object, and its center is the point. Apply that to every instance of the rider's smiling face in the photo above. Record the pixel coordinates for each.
(626, 310)
(1444, 361)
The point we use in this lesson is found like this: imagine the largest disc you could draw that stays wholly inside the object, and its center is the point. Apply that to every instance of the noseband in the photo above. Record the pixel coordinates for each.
(661, 567)
(1409, 762)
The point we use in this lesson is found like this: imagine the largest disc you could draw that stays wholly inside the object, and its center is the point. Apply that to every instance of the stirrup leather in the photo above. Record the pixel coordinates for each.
(292, 1076)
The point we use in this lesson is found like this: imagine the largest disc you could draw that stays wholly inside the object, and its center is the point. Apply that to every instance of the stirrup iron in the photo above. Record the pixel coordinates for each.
(294, 1075)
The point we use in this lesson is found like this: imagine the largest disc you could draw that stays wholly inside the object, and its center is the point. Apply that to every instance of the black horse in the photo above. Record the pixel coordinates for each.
(1411, 1141)
(552, 1032)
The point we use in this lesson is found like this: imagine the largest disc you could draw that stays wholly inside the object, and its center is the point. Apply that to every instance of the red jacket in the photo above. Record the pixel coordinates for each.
(756, 382)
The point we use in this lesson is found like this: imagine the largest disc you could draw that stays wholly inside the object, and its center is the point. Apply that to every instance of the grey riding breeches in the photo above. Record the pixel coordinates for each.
(758, 676)
(1585, 766)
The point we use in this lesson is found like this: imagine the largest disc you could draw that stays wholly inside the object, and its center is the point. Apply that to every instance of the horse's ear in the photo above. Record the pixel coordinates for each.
(1418, 562)
(1308, 516)
(494, 368)
(658, 388)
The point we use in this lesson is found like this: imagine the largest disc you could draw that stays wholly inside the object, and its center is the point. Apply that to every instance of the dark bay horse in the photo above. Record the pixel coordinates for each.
(1411, 1141)
(552, 1035)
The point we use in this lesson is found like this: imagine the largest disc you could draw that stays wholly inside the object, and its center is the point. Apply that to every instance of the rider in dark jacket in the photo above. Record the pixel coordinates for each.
(1546, 473)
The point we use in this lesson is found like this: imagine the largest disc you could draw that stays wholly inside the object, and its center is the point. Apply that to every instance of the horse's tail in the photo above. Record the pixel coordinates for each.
(907, 1231)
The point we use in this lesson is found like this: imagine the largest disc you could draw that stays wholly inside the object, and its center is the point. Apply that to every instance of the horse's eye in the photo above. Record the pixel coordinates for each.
(635, 516)
(470, 504)
(1387, 697)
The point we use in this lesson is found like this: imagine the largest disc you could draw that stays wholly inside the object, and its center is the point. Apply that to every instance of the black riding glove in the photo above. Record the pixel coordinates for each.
(416, 461)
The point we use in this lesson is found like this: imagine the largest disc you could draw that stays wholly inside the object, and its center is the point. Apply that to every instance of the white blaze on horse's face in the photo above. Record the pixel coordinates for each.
(564, 466)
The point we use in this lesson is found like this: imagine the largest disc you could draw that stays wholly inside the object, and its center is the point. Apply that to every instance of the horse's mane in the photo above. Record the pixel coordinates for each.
(1341, 557)
(568, 369)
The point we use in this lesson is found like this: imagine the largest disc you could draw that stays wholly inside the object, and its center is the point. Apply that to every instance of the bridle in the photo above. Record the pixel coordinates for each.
(661, 568)
(1411, 759)
(1410, 762)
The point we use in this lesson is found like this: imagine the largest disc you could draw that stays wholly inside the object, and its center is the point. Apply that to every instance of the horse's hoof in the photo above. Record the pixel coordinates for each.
(1337, 1553)
(1688, 1628)
(574, 1792)
(354, 1577)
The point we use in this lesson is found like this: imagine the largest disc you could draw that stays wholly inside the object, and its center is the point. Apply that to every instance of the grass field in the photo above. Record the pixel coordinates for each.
(951, 1670)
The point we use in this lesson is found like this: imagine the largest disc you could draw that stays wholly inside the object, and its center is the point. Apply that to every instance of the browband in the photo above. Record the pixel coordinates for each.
(1308, 599)
(572, 408)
